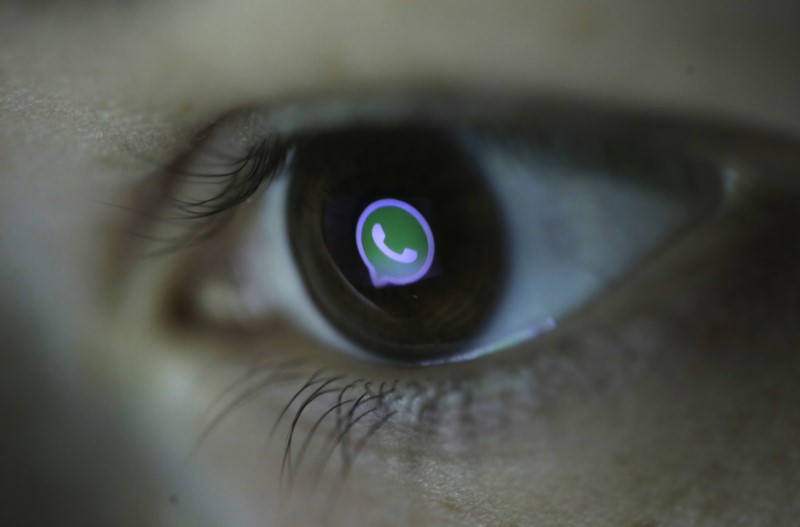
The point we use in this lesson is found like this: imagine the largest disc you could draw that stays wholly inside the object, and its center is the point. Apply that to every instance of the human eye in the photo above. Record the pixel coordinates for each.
(524, 219)
(561, 228)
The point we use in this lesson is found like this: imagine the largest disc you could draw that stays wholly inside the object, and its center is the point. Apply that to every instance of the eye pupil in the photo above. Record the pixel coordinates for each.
(398, 238)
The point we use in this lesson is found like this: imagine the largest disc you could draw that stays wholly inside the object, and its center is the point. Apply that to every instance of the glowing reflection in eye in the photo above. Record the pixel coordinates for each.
(408, 229)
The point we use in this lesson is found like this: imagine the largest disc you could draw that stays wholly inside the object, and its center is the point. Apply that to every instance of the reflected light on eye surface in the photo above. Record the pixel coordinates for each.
(408, 229)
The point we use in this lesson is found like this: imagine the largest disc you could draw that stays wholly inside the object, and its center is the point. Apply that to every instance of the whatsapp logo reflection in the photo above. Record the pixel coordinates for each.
(395, 243)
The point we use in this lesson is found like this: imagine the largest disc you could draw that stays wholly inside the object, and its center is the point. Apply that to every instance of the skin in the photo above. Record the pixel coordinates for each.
(670, 400)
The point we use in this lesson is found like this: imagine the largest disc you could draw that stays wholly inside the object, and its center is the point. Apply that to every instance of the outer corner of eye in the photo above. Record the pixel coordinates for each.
(420, 241)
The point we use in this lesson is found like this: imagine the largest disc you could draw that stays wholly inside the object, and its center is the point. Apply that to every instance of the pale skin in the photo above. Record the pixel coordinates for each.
(673, 401)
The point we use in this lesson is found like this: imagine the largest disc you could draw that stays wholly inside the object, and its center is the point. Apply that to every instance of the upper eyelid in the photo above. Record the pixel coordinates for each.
(248, 128)
(743, 156)
(708, 135)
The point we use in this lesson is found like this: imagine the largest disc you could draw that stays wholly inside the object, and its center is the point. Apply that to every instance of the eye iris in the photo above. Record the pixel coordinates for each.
(398, 239)
(408, 229)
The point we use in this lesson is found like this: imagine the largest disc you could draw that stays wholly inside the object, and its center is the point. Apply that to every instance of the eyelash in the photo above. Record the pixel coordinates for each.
(264, 159)
(201, 219)
(355, 410)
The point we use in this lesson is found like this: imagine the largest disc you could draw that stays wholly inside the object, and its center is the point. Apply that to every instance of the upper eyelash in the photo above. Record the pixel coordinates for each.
(200, 219)
(260, 163)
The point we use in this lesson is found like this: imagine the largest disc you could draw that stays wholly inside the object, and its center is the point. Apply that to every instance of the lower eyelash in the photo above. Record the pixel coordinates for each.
(344, 413)
(348, 413)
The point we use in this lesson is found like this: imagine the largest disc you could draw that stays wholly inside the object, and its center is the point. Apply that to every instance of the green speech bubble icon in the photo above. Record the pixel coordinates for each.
(395, 242)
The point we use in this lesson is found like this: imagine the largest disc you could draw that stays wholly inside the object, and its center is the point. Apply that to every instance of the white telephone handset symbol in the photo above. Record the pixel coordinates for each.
(378, 236)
